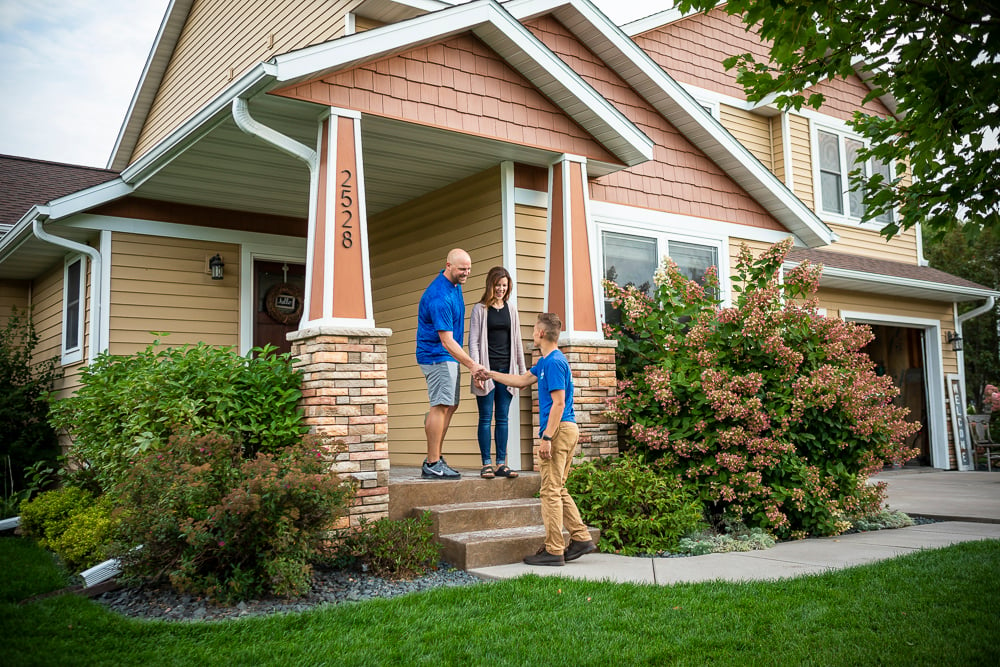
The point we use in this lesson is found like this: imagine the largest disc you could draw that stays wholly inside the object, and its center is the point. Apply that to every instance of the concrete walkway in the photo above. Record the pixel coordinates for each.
(967, 504)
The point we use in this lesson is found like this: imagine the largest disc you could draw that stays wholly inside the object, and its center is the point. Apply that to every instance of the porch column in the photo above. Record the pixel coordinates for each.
(570, 293)
(342, 355)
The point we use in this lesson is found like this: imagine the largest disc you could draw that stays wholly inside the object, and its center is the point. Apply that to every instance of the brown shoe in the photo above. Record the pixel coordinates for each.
(543, 557)
(578, 548)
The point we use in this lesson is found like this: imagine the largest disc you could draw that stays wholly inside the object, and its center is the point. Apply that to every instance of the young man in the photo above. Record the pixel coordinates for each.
(557, 442)
(440, 334)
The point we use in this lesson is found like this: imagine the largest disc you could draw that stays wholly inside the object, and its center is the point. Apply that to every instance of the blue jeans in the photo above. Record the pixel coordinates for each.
(498, 402)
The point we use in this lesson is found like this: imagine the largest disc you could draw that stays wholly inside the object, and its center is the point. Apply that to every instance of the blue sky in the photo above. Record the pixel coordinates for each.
(70, 68)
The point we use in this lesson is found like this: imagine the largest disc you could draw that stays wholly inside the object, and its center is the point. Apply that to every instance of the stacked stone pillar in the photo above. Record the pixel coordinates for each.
(345, 395)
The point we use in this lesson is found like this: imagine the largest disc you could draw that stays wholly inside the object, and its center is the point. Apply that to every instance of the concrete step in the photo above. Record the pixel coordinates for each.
(488, 515)
(483, 548)
(407, 489)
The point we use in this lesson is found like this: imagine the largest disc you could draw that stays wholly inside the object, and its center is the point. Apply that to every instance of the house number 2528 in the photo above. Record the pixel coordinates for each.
(345, 204)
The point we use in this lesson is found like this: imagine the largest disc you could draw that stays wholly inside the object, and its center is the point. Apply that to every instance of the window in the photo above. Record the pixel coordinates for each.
(73, 302)
(632, 259)
(837, 156)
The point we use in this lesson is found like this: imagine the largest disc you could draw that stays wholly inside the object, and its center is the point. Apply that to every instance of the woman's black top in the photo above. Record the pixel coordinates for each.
(498, 337)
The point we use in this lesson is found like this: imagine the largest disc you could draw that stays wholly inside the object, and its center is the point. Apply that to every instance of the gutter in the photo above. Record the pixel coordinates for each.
(96, 277)
(243, 120)
(976, 312)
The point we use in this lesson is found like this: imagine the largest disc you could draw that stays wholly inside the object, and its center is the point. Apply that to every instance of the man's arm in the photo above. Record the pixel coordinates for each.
(522, 381)
(455, 350)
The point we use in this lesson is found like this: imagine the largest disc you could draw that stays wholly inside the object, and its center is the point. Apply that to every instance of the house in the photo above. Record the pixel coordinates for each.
(322, 157)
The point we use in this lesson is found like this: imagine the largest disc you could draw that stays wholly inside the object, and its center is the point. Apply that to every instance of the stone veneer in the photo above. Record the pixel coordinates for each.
(594, 381)
(345, 395)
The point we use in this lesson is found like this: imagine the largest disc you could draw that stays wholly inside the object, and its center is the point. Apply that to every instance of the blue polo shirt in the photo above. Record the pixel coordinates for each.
(442, 308)
(553, 374)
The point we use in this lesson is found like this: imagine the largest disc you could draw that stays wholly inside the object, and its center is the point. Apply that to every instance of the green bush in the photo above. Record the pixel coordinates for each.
(753, 539)
(638, 508)
(50, 514)
(88, 536)
(129, 406)
(26, 438)
(214, 523)
(882, 520)
(393, 549)
(770, 409)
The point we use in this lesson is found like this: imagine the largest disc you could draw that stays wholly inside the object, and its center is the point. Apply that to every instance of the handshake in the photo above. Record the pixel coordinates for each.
(481, 374)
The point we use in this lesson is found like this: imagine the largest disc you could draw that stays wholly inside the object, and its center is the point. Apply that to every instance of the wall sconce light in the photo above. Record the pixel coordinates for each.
(215, 267)
(955, 340)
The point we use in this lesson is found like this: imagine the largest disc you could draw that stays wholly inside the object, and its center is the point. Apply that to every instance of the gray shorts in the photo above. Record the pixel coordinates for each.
(443, 381)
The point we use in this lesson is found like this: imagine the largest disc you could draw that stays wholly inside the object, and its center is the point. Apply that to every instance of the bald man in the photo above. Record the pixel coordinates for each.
(440, 336)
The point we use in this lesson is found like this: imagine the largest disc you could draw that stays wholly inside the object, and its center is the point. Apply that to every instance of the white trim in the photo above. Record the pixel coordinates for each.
(509, 231)
(310, 239)
(176, 230)
(362, 195)
(866, 278)
(350, 26)
(105, 314)
(786, 150)
(72, 355)
(935, 377)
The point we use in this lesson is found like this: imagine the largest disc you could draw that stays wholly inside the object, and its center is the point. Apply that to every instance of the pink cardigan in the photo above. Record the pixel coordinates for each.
(479, 348)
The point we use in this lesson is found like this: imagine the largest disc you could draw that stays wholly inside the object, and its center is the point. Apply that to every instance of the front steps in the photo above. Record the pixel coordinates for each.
(478, 522)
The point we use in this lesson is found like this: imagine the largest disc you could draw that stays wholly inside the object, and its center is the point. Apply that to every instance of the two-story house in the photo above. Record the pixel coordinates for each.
(295, 172)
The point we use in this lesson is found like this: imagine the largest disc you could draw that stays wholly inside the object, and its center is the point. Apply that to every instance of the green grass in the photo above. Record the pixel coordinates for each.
(936, 607)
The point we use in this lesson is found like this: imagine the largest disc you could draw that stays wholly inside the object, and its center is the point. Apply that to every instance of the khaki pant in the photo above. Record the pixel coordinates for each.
(558, 508)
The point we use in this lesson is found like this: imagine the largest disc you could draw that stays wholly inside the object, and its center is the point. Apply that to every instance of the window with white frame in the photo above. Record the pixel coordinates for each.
(73, 304)
(836, 157)
(631, 257)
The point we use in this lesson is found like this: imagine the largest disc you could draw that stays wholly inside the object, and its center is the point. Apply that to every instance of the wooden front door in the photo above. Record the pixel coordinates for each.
(278, 288)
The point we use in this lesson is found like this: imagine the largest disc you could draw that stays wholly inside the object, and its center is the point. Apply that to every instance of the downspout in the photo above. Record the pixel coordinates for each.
(241, 115)
(95, 279)
(960, 320)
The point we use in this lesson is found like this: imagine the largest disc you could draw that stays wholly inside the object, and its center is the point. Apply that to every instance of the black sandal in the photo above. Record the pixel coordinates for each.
(504, 471)
(487, 472)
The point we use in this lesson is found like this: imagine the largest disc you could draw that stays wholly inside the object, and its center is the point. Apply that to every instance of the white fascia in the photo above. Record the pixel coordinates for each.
(659, 20)
(640, 71)
(510, 39)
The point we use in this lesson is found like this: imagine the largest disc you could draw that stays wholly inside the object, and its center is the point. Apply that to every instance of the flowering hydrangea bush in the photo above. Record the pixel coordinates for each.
(770, 409)
(991, 399)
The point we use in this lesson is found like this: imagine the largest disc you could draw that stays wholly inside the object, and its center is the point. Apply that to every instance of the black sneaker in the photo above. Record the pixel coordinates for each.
(543, 557)
(578, 548)
(438, 470)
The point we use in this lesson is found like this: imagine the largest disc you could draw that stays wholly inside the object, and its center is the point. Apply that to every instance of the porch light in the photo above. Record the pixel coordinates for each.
(215, 266)
(955, 340)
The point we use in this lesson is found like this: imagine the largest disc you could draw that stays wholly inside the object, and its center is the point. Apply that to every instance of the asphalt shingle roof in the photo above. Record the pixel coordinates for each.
(25, 182)
(882, 267)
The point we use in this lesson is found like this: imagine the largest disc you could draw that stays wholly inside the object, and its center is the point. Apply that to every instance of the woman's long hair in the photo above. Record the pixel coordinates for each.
(496, 274)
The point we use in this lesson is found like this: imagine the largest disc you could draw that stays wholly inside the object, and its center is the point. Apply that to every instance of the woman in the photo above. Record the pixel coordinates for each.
(495, 342)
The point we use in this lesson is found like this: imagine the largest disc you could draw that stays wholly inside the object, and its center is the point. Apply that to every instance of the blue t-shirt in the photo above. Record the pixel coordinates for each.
(442, 308)
(553, 374)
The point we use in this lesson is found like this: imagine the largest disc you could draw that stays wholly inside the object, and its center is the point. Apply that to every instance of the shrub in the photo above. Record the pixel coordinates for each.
(638, 508)
(394, 549)
(882, 520)
(770, 409)
(129, 406)
(87, 538)
(26, 438)
(50, 514)
(753, 539)
(230, 528)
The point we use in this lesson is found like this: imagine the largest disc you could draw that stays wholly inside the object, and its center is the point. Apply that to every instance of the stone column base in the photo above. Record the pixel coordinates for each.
(593, 365)
(345, 395)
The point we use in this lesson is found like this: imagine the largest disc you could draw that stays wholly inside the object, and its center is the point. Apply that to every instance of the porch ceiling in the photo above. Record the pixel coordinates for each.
(227, 168)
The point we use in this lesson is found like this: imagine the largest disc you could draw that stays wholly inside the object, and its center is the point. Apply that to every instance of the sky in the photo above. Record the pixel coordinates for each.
(69, 69)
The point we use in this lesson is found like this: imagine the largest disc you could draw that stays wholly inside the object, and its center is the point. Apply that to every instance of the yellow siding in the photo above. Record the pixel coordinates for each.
(160, 284)
(408, 246)
(362, 23)
(778, 149)
(47, 313)
(798, 130)
(222, 40)
(13, 294)
(751, 130)
(868, 243)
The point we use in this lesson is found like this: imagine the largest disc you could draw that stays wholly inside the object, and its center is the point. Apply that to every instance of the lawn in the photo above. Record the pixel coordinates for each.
(936, 607)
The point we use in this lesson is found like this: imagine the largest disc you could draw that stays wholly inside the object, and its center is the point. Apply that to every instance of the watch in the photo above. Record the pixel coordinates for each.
(546, 438)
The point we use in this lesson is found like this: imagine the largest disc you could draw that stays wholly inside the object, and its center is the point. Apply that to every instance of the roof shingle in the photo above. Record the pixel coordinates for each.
(25, 182)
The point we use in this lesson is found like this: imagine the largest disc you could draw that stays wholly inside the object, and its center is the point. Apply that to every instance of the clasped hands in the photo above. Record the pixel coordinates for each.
(480, 374)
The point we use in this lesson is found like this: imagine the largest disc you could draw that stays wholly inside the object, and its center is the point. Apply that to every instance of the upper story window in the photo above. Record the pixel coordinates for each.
(836, 157)
(631, 257)
(73, 315)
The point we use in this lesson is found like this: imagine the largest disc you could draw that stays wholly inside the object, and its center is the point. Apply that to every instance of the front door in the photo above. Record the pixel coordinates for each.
(278, 290)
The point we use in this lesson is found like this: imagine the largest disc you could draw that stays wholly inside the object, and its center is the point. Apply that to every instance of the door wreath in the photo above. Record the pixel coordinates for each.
(284, 303)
